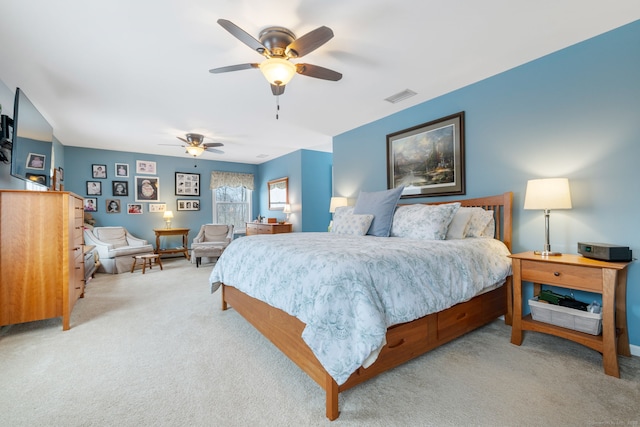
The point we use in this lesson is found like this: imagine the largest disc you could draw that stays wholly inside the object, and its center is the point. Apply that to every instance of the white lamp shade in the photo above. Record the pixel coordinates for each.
(287, 208)
(167, 215)
(278, 71)
(548, 193)
(337, 202)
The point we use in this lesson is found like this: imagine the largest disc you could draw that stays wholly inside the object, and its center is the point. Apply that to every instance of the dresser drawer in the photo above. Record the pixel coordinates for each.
(570, 276)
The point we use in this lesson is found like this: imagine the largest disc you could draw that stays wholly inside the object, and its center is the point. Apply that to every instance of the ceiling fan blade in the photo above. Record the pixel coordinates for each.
(212, 144)
(318, 72)
(243, 36)
(309, 42)
(277, 89)
(233, 68)
(182, 139)
(214, 150)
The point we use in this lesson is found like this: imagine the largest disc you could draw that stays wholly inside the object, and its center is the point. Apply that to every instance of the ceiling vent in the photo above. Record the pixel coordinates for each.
(400, 96)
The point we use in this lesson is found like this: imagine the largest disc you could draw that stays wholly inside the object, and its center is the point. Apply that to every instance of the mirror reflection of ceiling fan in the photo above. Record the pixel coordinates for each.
(194, 144)
(279, 45)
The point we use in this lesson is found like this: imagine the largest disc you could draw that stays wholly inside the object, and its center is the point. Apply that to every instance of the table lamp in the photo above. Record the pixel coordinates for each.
(168, 215)
(546, 194)
(287, 210)
(336, 202)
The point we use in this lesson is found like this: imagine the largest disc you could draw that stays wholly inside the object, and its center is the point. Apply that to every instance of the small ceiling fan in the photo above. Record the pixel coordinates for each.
(194, 145)
(279, 45)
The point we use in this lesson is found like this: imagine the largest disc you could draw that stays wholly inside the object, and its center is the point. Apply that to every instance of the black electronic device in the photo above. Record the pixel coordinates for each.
(604, 251)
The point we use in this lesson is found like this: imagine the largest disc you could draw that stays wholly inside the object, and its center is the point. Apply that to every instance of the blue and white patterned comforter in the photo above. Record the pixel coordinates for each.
(349, 289)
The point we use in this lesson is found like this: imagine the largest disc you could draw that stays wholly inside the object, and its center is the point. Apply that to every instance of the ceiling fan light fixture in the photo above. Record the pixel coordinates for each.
(195, 150)
(278, 71)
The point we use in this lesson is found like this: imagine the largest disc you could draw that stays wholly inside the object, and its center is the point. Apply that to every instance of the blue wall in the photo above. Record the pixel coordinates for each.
(574, 113)
(309, 174)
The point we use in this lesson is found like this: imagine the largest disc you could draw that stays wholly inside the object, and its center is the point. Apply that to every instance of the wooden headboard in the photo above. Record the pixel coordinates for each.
(502, 207)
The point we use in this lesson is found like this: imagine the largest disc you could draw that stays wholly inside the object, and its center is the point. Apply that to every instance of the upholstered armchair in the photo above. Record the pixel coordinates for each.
(116, 248)
(211, 241)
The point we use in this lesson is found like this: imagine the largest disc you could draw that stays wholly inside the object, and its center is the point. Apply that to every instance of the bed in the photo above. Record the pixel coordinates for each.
(342, 330)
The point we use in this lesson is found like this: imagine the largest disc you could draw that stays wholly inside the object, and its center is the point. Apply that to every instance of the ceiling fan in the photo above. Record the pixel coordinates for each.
(279, 45)
(195, 146)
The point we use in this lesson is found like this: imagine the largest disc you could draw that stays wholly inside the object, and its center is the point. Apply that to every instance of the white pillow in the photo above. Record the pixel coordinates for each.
(490, 229)
(427, 222)
(355, 225)
(459, 224)
(343, 210)
(479, 221)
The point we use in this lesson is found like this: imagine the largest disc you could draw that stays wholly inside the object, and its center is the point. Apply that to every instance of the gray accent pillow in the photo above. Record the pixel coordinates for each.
(380, 204)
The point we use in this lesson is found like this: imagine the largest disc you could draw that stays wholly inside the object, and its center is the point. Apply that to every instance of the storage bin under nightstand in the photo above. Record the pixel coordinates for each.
(578, 320)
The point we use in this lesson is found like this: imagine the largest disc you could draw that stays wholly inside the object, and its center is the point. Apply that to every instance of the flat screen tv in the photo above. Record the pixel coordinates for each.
(32, 144)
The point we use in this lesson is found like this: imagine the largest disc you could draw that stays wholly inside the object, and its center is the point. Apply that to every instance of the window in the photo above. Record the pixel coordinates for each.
(232, 205)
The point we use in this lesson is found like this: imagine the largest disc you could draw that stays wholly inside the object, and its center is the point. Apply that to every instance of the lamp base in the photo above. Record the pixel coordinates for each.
(547, 253)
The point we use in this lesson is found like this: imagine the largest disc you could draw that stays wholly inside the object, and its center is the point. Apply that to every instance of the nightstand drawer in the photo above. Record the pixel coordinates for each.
(571, 276)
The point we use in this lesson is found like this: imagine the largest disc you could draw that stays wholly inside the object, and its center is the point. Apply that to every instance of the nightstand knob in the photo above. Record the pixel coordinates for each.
(556, 273)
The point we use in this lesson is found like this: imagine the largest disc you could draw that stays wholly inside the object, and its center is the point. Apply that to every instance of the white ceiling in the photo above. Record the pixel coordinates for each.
(132, 75)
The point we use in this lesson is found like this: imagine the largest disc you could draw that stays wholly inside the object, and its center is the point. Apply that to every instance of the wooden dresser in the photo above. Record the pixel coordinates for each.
(41, 256)
(259, 228)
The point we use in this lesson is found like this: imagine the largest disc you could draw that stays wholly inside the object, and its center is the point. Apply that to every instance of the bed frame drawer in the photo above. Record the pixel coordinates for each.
(461, 317)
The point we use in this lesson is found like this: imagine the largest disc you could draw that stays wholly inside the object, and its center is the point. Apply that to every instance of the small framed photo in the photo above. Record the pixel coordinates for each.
(134, 208)
(90, 204)
(122, 170)
(94, 188)
(37, 178)
(147, 188)
(144, 166)
(113, 205)
(187, 184)
(36, 161)
(157, 207)
(120, 188)
(188, 205)
(61, 174)
(99, 171)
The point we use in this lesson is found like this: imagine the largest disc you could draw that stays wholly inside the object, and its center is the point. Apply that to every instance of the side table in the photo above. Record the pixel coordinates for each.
(172, 232)
(585, 274)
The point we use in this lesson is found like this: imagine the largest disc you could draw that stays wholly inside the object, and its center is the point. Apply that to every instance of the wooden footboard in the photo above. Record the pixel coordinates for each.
(404, 342)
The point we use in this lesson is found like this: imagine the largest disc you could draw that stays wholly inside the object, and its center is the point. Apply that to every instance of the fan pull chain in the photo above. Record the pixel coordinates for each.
(277, 106)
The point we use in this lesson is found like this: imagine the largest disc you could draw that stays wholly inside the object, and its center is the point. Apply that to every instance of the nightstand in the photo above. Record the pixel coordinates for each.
(585, 274)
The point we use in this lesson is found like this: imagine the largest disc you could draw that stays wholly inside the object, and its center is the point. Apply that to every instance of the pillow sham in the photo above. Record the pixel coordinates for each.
(426, 222)
(355, 225)
(479, 221)
(459, 224)
(343, 210)
(380, 204)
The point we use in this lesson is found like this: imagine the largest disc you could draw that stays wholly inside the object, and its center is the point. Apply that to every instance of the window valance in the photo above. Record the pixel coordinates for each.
(231, 179)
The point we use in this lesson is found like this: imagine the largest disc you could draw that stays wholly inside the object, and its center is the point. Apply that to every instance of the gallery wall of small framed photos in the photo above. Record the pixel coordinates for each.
(144, 186)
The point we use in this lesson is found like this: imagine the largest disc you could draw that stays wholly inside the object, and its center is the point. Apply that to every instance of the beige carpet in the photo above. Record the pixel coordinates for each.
(156, 350)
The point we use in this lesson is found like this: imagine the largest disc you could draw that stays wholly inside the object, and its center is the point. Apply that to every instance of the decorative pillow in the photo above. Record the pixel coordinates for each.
(490, 229)
(343, 210)
(479, 221)
(459, 224)
(380, 204)
(427, 222)
(355, 225)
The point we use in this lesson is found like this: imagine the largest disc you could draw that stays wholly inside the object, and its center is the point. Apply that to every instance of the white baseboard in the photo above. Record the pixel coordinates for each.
(635, 350)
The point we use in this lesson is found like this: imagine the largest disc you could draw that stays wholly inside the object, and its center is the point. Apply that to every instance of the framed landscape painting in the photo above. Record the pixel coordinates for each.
(428, 159)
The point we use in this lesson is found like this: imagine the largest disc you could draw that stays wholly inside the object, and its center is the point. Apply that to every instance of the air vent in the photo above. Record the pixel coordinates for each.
(400, 96)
